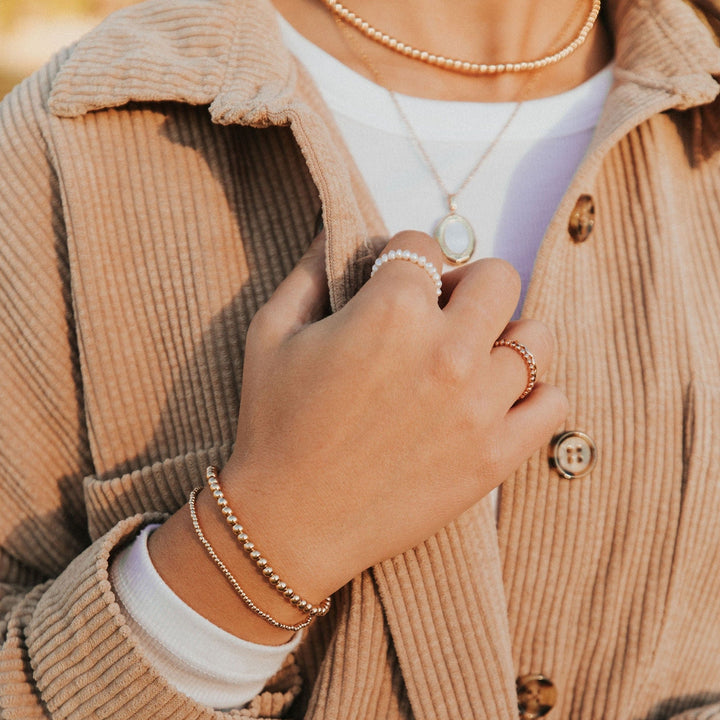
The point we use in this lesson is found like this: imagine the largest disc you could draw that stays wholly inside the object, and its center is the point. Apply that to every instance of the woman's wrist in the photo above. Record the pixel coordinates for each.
(184, 565)
(294, 532)
(262, 564)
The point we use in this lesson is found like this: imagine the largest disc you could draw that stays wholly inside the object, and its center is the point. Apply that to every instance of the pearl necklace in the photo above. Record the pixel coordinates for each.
(462, 66)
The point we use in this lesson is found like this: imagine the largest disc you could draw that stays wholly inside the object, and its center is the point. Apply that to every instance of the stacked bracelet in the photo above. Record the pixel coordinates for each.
(267, 571)
(231, 579)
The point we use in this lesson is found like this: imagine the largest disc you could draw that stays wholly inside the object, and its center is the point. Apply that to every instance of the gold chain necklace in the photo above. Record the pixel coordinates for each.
(462, 66)
(453, 224)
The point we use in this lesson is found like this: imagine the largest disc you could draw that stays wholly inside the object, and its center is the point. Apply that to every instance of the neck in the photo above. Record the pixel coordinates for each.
(486, 31)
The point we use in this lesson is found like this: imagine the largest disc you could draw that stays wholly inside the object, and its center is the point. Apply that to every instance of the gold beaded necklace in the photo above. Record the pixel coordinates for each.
(453, 224)
(462, 66)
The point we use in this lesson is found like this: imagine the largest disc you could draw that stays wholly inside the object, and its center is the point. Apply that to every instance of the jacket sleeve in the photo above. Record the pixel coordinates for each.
(65, 648)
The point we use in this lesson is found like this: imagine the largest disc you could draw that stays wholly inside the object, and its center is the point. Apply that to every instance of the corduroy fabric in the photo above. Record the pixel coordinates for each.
(157, 182)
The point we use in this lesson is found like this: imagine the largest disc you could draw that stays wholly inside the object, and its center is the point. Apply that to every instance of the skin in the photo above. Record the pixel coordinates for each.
(480, 30)
(341, 443)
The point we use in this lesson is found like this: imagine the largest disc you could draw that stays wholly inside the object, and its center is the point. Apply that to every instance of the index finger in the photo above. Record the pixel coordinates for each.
(301, 298)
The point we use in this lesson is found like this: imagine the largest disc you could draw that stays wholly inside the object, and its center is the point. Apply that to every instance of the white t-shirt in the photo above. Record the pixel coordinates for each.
(509, 201)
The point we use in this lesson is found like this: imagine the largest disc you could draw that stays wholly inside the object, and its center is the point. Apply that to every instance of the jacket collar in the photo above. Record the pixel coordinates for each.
(667, 46)
(221, 53)
(666, 56)
(229, 55)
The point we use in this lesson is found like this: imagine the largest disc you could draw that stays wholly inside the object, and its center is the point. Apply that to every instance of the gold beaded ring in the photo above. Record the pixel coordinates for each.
(528, 359)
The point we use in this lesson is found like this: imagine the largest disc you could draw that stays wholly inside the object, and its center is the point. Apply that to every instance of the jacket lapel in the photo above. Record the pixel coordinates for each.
(445, 605)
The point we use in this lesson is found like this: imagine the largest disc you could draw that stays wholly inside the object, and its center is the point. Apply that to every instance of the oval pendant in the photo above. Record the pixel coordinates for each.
(456, 238)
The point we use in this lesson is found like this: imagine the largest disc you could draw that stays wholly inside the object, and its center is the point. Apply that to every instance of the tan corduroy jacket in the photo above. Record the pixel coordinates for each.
(156, 183)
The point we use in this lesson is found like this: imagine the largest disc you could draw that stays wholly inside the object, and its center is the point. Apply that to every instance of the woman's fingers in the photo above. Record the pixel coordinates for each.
(301, 298)
(478, 300)
(532, 422)
(482, 295)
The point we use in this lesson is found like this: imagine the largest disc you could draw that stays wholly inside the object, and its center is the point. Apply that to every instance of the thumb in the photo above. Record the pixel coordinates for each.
(303, 296)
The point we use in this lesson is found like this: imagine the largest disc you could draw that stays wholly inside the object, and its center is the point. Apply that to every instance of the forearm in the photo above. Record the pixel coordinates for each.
(175, 547)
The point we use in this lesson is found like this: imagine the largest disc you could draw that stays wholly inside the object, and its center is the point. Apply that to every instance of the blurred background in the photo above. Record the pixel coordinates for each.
(32, 30)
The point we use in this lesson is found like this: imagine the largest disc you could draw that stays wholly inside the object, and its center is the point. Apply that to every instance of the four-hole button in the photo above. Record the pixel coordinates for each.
(573, 454)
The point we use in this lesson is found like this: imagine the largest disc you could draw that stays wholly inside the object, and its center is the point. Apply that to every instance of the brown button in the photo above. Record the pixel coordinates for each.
(573, 454)
(582, 219)
(536, 696)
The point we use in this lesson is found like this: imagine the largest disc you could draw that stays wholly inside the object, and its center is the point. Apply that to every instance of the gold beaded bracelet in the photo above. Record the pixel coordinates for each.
(256, 556)
(231, 578)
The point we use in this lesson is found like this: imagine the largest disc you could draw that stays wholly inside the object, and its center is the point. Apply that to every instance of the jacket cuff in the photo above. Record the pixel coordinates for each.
(86, 663)
(162, 487)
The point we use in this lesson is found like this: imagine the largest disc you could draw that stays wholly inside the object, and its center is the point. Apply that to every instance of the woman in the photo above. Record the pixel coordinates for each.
(161, 178)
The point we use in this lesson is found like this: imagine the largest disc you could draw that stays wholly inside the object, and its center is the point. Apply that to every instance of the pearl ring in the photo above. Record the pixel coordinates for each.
(419, 260)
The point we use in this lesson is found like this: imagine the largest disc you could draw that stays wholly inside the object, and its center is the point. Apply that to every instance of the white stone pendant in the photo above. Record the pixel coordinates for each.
(456, 238)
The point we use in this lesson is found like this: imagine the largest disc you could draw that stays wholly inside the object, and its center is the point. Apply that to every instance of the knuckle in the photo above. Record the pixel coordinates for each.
(541, 339)
(405, 301)
(506, 276)
(391, 312)
(411, 237)
(453, 366)
(418, 242)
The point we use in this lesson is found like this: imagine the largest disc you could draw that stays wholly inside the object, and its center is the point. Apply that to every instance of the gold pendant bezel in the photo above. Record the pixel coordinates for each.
(452, 257)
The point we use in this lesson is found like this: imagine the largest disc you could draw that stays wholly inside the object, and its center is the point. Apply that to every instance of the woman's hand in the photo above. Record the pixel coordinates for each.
(363, 433)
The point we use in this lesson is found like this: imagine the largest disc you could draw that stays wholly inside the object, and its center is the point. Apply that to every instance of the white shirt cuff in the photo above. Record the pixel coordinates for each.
(199, 659)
